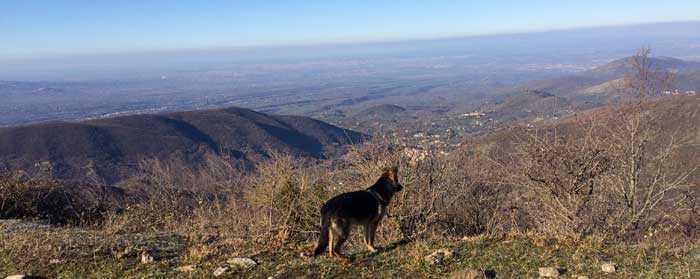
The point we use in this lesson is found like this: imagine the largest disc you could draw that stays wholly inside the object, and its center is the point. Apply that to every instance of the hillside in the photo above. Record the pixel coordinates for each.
(110, 148)
(677, 115)
(673, 118)
(376, 118)
(595, 85)
(529, 106)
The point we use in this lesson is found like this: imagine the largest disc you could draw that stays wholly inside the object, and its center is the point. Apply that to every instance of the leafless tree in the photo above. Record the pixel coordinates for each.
(647, 175)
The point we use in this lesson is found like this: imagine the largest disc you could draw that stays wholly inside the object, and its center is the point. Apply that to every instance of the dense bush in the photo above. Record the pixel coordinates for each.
(48, 200)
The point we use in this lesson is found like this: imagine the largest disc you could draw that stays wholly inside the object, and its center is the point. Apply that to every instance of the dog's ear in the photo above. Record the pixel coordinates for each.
(392, 173)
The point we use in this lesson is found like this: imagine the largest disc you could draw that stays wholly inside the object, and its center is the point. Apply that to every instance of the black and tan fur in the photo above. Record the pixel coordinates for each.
(360, 208)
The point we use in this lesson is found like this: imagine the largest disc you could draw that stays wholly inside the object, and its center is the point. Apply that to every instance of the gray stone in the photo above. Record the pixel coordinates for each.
(220, 270)
(444, 253)
(548, 272)
(439, 256)
(608, 268)
(434, 260)
(242, 262)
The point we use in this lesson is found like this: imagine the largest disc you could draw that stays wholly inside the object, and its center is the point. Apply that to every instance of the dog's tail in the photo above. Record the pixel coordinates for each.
(323, 239)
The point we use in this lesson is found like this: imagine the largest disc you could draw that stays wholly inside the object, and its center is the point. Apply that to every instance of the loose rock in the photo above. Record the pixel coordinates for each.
(438, 256)
(146, 258)
(56, 261)
(242, 262)
(18, 276)
(434, 260)
(548, 272)
(444, 253)
(220, 271)
(608, 268)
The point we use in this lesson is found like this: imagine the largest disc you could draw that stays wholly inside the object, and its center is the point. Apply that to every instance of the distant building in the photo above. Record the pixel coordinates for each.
(473, 114)
(676, 92)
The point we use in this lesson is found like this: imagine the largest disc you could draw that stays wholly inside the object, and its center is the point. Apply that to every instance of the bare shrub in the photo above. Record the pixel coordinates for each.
(650, 181)
(621, 177)
(12, 197)
(168, 194)
(561, 181)
(286, 196)
(483, 203)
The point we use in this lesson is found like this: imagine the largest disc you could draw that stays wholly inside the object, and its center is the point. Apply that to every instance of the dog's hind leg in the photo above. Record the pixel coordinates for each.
(342, 233)
(369, 236)
(372, 233)
(325, 233)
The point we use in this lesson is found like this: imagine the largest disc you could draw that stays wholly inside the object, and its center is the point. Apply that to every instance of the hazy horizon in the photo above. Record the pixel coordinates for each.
(68, 28)
(678, 39)
(339, 43)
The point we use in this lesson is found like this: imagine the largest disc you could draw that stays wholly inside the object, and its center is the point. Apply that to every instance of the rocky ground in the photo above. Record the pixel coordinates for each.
(48, 252)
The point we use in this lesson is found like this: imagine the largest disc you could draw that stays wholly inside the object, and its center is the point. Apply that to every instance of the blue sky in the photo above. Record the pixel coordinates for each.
(33, 29)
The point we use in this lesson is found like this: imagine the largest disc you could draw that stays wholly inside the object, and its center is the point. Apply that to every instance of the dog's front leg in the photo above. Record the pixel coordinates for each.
(330, 243)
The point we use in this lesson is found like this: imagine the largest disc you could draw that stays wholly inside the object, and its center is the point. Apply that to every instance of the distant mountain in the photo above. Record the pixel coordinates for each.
(110, 148)
(620, 67)
(382, 110)
(595, 85)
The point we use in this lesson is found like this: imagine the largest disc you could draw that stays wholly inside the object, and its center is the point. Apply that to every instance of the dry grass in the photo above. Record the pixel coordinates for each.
(87, 253)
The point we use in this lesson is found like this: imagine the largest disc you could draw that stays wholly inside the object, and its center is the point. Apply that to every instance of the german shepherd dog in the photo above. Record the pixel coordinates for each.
(365, 208)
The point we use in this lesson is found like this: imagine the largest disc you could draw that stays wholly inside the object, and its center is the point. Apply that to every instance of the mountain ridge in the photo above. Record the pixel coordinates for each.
(594, 85)
(70, 150)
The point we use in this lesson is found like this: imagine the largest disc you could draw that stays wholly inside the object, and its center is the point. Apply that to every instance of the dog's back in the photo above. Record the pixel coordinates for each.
(354, 207)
